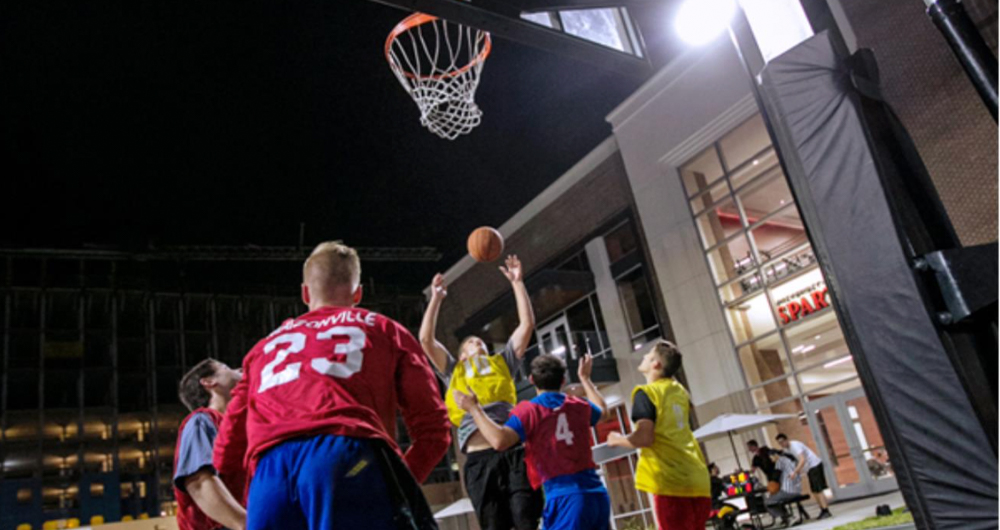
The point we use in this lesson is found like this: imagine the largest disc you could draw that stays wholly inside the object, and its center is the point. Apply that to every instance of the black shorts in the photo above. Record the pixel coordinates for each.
(501, 494)
(817, 479)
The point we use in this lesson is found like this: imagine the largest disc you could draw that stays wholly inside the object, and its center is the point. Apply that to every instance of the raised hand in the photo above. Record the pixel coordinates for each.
(438, 289)
(585, 366)
(512, 270)
(466, 402)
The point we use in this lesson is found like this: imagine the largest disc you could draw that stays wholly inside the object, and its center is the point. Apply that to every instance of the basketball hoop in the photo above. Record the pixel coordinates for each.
(438, 63)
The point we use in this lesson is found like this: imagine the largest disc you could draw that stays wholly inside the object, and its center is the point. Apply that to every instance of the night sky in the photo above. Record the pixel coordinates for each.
(223, 122)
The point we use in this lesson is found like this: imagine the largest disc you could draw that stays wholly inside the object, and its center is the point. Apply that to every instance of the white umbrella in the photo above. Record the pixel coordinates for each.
(733, 423)
(459, 507)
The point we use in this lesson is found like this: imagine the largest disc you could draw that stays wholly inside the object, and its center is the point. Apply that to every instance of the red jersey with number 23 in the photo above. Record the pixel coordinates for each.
(340, 371)
(557, 440)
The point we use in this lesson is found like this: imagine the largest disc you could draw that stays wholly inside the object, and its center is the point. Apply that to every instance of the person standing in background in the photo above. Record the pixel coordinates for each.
(808, 460)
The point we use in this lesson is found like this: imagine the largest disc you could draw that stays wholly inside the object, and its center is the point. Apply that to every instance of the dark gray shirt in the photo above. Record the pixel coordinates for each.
(498, 412)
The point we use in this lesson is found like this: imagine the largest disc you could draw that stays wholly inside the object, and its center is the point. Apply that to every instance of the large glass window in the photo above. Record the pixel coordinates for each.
(773, 294)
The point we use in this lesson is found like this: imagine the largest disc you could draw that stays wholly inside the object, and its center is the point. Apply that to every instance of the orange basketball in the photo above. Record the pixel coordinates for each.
(485, 244)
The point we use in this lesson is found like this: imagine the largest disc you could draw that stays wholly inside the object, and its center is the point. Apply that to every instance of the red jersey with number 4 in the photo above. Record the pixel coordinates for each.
(557, 441)
(340, 371)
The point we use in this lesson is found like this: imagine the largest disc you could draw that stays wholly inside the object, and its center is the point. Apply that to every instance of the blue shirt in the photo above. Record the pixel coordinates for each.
(586, 481)
(195, 451)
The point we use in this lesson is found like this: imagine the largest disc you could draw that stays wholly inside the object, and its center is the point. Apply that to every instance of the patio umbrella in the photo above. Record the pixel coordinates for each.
(734, 423)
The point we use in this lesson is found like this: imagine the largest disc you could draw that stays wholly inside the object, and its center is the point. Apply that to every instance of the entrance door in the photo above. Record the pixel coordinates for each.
(856, 460)
(555, 339)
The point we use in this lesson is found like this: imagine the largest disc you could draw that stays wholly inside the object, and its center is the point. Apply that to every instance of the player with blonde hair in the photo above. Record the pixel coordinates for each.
(315, 413)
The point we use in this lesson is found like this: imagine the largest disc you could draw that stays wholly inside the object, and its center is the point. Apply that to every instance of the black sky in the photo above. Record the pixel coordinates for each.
(229, 122)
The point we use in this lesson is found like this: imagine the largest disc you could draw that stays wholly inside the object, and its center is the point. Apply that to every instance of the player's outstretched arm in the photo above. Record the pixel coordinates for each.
(500, 437)
(641, 436)
(230, 446)
(434, 350)
(521, 337)
(424, 413)
(211, 495)
(593, 394)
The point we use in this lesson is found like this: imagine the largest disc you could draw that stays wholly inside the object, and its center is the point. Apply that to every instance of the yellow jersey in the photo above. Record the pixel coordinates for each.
(488, 376)
(674, 464)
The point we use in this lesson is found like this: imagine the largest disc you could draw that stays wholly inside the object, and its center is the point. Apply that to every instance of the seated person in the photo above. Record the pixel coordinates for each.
(791, 487)
(724, 511)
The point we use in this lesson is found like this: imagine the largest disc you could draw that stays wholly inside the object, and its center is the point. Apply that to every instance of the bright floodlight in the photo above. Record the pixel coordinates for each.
(700, 21)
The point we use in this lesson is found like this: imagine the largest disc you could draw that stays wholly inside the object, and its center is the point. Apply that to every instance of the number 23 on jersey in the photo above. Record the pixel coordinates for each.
(345, 362)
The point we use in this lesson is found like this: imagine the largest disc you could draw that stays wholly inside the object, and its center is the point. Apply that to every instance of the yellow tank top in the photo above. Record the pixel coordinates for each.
(488, 376)
(673, 465)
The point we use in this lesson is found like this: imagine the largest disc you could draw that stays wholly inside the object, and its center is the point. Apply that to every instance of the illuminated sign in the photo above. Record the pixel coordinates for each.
(802, 302)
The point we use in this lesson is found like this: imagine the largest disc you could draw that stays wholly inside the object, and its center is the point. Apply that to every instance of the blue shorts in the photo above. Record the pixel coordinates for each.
(578, 511)
(319, 483)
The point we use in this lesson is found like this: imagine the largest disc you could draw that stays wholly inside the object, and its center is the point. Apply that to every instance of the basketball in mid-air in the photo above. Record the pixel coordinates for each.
(485, 244)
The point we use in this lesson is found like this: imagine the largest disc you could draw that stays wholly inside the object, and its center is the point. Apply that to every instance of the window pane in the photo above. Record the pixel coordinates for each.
(702, 171)
(830, 378)
(764, 360)
(637, 301)
(792, 262)
(744, 142)
(740, 288)
(818, 340)
(719, 223)
(596, 25)
(763, 166)
(776, 391)
(780, 234)
(764, 196)
(800, 297)
(621, 487)
(750, 318)
(716, 194)
(620, 242)
(544, 19)
(731, 260)
(645, 338)
(795, 428)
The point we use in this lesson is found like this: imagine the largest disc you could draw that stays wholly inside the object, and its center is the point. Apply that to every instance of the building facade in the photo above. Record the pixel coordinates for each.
(693, 235)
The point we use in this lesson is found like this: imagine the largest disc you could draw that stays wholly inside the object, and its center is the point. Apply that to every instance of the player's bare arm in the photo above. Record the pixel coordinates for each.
(798, 467)
(642, 436)
(521, 337)
(584, 369)
(215, 500)
(434, 350)
(500, 437)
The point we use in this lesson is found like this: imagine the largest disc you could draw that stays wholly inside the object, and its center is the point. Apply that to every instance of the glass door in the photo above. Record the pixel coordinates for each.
(555, 339)
(856, 460)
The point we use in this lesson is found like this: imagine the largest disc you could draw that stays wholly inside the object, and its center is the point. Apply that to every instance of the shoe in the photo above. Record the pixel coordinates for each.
(825, 514)
(785, 522)
(799, 522)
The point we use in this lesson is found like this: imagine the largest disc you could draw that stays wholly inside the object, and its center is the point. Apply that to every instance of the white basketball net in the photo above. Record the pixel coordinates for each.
(439, 63)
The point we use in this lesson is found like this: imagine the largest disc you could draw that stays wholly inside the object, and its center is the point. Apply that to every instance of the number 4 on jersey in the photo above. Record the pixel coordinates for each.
(563, 434)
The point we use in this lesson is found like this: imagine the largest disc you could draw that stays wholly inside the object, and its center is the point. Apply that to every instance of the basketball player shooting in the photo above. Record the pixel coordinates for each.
(497, 482)
(315, 413)
(555, 429)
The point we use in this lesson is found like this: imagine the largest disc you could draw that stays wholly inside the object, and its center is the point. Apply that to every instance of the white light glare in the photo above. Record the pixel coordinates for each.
(701, 21)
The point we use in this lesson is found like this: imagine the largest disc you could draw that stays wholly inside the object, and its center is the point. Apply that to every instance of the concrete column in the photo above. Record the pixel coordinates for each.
(614, 322)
